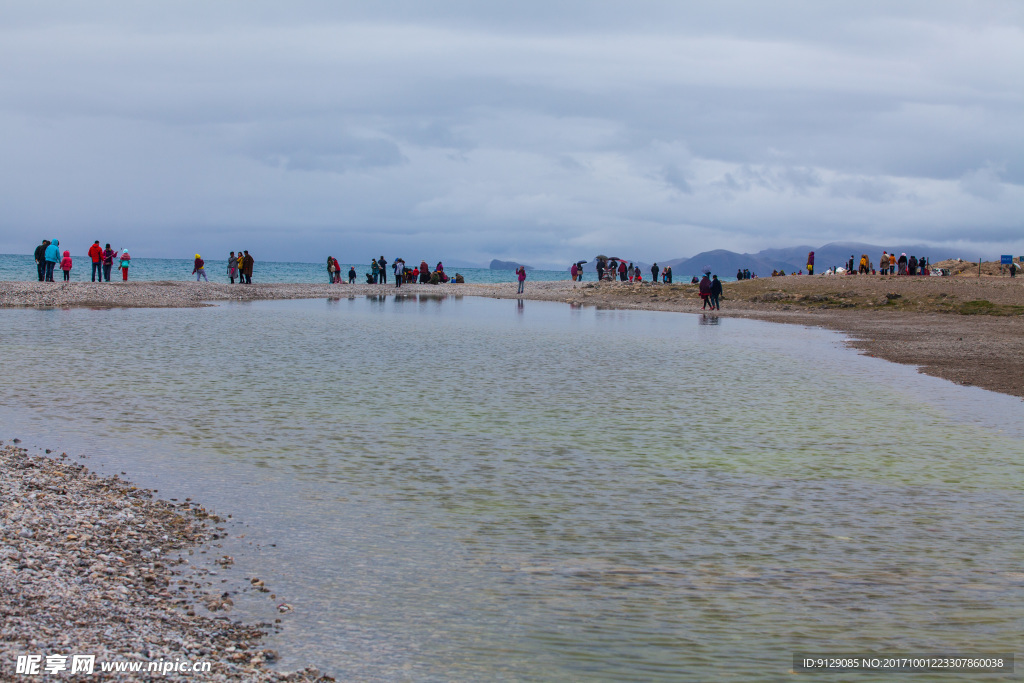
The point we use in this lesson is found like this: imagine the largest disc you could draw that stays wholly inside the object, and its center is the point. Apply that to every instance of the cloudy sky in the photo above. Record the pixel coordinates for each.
(542, 131)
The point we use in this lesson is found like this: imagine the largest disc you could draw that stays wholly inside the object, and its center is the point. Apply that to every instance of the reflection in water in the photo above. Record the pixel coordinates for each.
(458, 493)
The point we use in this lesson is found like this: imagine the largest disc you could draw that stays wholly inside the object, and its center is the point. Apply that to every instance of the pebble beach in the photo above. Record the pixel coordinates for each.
(94, 565)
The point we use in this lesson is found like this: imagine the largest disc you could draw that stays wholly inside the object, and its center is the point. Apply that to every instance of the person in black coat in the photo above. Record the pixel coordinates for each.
(716, 291)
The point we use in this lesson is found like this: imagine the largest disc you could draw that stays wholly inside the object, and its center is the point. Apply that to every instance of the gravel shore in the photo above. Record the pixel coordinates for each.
(90, 565)
(969, 330)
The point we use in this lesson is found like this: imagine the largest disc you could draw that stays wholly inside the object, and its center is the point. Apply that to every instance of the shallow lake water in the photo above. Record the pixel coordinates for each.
(467, 489)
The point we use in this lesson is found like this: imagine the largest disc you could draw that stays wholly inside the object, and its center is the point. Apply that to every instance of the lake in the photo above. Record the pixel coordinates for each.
(469, 489)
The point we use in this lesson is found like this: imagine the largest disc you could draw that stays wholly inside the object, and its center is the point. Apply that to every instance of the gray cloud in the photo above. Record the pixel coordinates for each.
(532, 130)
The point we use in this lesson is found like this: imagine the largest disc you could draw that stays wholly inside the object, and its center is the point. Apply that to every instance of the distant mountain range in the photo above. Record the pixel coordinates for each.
(791, 259)
(507, 265)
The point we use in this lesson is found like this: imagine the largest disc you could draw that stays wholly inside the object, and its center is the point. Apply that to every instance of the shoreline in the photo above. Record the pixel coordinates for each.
(93, 565)
(968, 330)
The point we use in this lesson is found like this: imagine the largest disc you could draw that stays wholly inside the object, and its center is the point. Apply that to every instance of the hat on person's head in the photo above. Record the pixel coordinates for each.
(197, 256)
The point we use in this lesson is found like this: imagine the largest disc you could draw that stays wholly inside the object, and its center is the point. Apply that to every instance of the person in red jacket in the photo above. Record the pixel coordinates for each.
(65, 265)
(622, 271)
(705, 291)
(96, 254)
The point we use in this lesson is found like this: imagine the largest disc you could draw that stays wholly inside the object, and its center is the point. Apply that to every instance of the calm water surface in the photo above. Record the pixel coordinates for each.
(467, 489)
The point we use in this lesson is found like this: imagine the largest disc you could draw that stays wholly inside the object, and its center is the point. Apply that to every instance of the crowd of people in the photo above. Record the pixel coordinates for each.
(610, 268)
(401, 273)
(49, 258)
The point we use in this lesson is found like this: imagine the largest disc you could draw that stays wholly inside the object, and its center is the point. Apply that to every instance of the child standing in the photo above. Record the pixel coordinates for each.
(65, 265)
(125, 262)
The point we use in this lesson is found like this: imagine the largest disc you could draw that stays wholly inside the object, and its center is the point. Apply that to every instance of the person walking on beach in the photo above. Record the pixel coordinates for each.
(52, 256)
(108, 262)
(232, 267)
(716, 292)
(65, 265)
(247, 264)
(199, 269)
(125, 263)
(40, 255)
(521, 276)
(704, 288)
(96, 254)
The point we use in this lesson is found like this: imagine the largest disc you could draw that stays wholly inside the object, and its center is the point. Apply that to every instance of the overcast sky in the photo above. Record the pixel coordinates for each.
(543, 131)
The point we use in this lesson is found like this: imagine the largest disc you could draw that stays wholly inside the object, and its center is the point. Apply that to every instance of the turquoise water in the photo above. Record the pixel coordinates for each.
(469, 489)
(23, 267)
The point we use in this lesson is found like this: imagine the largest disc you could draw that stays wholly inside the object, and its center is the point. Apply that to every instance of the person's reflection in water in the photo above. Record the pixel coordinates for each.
(706, 319)
(519, 306)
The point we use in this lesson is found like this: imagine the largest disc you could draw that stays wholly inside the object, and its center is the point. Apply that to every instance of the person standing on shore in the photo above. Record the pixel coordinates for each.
(40, 255)
(622, 271)
(716, 292)
(331, 274)
(247, 263)
(65, 265)
(399, 266)
(52, 256)
(892, 264)
(125, 263)
(374, 271)
(96, 254)
(521, 276)
(383, 265)
(199, 269)
(352, 275)
(883, 263)
(108, 262)
(232, 267)
(654, 273)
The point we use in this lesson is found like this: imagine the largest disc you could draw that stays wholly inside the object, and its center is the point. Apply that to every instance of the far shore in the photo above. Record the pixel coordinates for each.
(969, 330)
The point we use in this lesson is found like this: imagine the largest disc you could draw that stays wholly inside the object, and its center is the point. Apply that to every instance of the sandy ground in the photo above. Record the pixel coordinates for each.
(966, 329)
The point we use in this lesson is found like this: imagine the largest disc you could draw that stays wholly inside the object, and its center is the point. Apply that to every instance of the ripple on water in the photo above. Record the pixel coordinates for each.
(465, 488)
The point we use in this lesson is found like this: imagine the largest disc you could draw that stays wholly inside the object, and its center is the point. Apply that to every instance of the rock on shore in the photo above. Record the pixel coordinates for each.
(87, 567)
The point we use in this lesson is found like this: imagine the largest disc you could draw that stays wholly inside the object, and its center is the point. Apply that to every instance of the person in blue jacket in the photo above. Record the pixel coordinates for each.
(52, 258)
